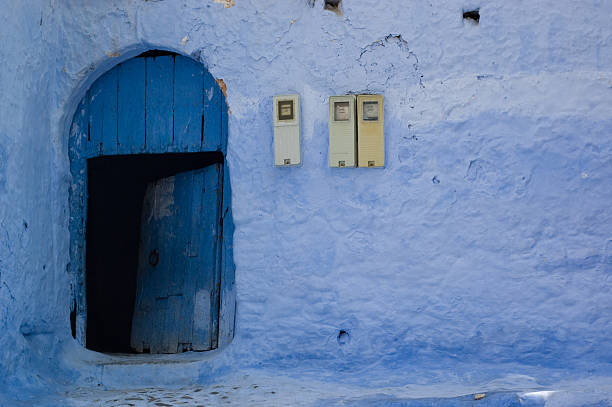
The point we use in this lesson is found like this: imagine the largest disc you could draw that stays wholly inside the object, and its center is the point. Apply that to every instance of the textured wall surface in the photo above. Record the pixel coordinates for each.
(486, 240)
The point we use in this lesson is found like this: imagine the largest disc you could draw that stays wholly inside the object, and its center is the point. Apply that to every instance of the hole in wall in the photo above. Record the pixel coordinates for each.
(116, 189)
(73, 318)
(333, 5)
(472, 15)
(343, 337)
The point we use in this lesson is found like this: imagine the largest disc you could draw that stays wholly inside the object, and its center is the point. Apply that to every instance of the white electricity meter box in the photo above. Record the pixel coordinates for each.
(370, 131)
(342, 131)
(287, 130)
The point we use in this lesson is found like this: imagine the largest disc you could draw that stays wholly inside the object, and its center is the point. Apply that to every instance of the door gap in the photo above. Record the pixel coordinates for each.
(116, 189)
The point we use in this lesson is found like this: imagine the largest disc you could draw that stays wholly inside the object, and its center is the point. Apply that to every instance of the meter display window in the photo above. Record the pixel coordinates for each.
(285, 110)
(370, 111)
(341, 111)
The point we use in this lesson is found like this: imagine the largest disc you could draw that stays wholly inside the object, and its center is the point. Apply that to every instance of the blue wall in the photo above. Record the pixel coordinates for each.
(486, 240)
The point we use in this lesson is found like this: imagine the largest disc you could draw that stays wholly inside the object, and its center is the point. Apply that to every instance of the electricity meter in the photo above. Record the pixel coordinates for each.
(287, 130)
(342, 131)
(370, 131)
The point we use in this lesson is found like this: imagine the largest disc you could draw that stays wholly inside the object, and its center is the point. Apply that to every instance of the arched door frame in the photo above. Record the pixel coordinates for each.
(85, 142)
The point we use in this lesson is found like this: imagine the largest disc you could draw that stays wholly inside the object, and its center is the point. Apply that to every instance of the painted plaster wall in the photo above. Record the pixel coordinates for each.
(486, 239)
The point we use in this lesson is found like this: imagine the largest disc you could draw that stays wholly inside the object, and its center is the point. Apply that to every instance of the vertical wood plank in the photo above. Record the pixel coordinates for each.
(173, 324)
(227, 303)
(103, 113)
(89, 147)
(224, 124)
(217, 270)
(206, 295)
(167, 214)
(131, 106)
(212, 114)
(191, 277)
(159, 103)
(188, 86)
(227, 312)
(178, 234)
(176, 243)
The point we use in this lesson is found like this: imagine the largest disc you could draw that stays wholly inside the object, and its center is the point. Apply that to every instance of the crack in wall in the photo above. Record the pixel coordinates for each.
(372, 53)
(9, 290)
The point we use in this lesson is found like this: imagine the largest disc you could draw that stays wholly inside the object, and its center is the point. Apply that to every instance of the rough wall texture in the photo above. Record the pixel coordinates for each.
(486, 239)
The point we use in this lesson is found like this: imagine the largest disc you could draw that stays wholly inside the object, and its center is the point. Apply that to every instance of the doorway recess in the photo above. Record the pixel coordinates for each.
(151, 276)
(116, 190)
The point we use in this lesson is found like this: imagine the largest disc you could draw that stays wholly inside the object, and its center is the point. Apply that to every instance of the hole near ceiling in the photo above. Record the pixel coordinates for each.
(472, 15)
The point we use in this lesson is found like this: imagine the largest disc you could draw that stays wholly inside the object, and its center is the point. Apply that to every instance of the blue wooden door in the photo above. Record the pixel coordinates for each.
(177, 297)
(161, 103)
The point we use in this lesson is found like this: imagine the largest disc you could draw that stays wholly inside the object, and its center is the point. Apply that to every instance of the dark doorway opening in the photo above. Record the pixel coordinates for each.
(116, 189)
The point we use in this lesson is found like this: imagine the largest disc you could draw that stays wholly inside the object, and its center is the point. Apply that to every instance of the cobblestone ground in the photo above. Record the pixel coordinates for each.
(263, 390)
(249, 394)
(188, 397)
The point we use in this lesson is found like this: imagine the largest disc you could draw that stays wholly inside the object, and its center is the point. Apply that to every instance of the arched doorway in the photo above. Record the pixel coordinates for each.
(151, 224)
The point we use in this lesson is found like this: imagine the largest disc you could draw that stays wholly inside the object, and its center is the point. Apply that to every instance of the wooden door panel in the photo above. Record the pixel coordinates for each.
(180, 214)
(159, 103)
(131, 106)
(206, 288)
(212, 114)
(103, 114)
(188, 99)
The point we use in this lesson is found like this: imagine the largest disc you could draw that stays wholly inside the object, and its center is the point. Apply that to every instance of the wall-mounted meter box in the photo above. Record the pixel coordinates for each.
(370, 131)
(287, 130)
(342, 131)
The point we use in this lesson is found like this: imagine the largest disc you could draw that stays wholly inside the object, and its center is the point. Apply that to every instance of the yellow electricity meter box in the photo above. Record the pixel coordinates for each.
(370, 131)
(342, 131)
(287, 130)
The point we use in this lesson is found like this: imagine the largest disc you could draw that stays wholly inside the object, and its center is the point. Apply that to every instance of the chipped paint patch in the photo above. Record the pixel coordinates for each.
(201, 309)
(223, 86)
(226, 3)
(160, 195)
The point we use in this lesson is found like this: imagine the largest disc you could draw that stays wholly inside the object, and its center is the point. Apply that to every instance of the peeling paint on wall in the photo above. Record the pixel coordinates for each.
(226, 3)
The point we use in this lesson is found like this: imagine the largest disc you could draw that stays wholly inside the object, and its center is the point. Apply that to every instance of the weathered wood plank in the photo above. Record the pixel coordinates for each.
(131, 106)
(165, 226)
(215, 297)
(206, 293)
(159, 103)
(103, 113)
(227, 311)
(193, 251)
(175, 238)
(188, 85)
(212, 114)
